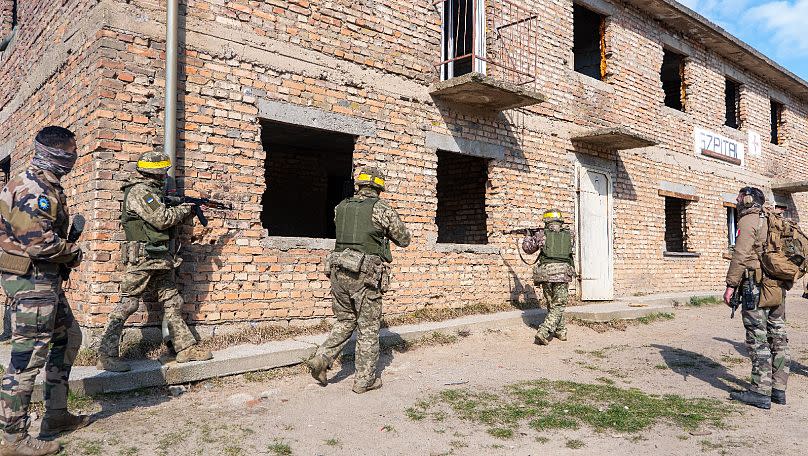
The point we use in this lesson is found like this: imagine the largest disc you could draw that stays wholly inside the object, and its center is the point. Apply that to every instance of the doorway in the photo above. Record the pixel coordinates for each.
(595, 235)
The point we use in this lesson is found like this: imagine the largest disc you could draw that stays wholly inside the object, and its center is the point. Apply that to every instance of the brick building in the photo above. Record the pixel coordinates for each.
(637, 119)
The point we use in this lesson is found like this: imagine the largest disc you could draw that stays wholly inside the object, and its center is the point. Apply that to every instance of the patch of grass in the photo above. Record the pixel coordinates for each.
(655, 317)
(261, 334)
(428, 314)
(91, 447)
(272, 374)
(700, 301)
(171, 439)
(575, 444)
(605, 380)
(542, 439)
(732, 360)
(388, 428)
(129, 451)
(548, 405)
(279, 448)
(457, 444)
(86, 357)
(79, 401)
(661, 366)
(233, 451)
(501, 432)
(333, 441)
(683, 437)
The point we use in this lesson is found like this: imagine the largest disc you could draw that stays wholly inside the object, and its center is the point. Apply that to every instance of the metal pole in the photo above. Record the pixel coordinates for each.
(170, 133)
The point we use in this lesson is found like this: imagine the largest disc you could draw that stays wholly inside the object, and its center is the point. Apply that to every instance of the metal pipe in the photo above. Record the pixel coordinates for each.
(170, 127)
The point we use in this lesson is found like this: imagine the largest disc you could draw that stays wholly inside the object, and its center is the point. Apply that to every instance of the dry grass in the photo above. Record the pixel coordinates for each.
(262, 334)
(442, 314)
(621, 325)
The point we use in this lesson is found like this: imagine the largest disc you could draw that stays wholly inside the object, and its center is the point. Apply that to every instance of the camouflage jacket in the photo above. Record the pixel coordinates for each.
(145, 199)
(752, 232)
(548, 272)
(34, 220)
(386, 219)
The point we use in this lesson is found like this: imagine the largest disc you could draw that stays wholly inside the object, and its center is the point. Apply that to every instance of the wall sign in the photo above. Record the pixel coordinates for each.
(755, 144)
(719, 147)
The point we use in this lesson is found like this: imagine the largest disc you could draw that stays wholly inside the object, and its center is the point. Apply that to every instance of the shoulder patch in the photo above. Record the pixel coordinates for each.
(151, 201)
(43, 203)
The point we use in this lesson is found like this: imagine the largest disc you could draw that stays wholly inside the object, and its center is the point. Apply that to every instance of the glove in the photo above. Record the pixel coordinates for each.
(76, 261)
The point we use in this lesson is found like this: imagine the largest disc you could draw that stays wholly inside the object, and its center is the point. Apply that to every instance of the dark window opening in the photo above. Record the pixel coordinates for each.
(458, 37)
(308, 172)
(675, 225)
(732, 226)
(776, 121)
(5, 170)
(587, 47)
(461, 216)
(732, 100)
(672, 75)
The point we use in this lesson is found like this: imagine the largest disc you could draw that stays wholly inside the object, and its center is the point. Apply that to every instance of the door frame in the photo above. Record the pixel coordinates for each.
(606, 168)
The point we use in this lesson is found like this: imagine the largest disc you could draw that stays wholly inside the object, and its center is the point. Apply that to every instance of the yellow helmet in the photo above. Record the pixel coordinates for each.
(370, 176)
(153, 163)
(552, 215)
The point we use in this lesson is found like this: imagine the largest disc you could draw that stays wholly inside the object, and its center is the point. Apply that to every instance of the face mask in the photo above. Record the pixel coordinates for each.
(58, 161)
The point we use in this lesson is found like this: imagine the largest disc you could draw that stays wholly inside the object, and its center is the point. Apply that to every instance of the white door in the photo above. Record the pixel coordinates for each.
(595, 236)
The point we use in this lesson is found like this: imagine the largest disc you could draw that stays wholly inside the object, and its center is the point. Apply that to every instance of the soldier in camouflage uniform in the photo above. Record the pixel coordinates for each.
(150, 264)
(360, 273)
(765, 326)
(554, 272)
(33, 231)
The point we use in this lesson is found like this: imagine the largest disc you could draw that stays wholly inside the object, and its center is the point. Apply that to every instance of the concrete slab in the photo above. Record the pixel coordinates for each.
(617, 138)
(478, 91)
(248, 358)
(788, 187)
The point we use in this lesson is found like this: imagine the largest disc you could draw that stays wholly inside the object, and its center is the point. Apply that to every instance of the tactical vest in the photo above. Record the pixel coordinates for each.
(557, 247)
(137, 229)
(355, 229)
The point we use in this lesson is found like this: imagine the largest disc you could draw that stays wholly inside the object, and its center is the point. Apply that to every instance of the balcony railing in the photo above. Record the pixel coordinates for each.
(489, 54)
(496, 38)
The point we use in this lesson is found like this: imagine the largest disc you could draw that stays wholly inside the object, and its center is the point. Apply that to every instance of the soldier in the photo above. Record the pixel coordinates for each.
(554, 272)
(33, 231)
(765, 327)
(360, 273)
(150, 264)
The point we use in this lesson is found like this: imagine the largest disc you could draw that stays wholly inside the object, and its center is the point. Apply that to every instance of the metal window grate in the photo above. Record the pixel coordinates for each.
(497, 38)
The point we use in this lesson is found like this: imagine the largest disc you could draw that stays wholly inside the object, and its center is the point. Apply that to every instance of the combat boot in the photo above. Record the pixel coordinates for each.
(540, 339)
(779, 397)
(318, 366)
(57, 421)
(752, 398)
(112, 363)
(377, 383)
(193, 353)
(562, 336)
(23, 444)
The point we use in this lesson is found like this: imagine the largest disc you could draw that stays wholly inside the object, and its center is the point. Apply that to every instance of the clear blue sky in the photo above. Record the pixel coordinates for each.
(778, 29)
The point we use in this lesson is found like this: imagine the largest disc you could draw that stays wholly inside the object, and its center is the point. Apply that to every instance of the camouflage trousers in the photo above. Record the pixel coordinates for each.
(134, 285)
(355, 307)
(41, 318)
(768, 347)
(556, 295)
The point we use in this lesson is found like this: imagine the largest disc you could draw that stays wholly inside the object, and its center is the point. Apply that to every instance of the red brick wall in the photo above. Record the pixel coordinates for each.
(374, 61)
(5, 17)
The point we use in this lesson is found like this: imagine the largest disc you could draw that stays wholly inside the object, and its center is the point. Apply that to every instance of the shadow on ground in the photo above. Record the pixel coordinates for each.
(797, 368)
(691, 364)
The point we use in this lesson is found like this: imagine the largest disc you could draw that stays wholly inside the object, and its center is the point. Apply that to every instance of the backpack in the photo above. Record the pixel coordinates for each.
(785, 249)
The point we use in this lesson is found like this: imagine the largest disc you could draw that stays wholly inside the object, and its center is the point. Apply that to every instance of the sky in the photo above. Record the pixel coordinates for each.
(778, 29)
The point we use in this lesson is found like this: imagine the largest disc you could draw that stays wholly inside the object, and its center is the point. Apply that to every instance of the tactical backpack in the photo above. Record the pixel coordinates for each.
(784, 252)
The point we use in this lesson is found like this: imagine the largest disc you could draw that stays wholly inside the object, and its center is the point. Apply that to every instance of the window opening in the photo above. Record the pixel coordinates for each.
(732, 226)
(672, 76)
(776, 121)
(308, 172)
(675, 224)
(588, 42)
(732, 99)
(463, 37)
(5, 170)
(461, 189)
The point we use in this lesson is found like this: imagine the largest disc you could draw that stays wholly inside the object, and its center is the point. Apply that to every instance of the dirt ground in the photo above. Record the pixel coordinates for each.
(698, 354)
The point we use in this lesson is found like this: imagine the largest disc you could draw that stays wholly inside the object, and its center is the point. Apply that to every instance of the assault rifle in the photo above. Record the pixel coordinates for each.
(525, 231)
(735, 301)
(744, 294)
(73, 236)
(198, 203)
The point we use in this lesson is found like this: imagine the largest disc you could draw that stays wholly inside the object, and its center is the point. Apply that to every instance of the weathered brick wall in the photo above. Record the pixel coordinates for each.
(6, 7)
(373, 61)
(460, 190)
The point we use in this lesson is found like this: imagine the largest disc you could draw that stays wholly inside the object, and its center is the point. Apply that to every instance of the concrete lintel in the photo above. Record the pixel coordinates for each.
(729, 198)
(784, 186)
(467, 248)
(615, 138)
(678, 188)
(464, 146)
(478, 91)
(288, 243)
(599, 6)
(314, 118)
